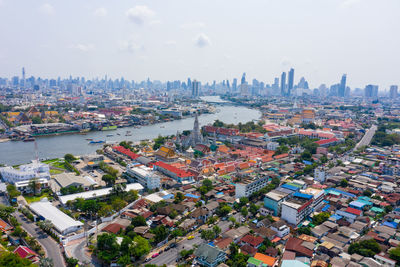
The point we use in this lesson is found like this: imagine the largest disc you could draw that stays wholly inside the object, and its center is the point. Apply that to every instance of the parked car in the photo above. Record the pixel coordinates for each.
(155, 255)
(190, 237)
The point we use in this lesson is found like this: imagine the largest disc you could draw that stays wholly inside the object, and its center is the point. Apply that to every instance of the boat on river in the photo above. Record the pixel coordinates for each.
(97, 142)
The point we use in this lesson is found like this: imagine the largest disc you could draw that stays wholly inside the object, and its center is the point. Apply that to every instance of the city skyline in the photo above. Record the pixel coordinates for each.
(153, 39)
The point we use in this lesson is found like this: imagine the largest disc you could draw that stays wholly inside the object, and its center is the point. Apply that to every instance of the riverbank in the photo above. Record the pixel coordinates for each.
(13, 153)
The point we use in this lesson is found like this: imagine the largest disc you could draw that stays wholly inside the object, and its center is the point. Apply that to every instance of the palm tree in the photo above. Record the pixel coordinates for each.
(46, 262)
(46, 225)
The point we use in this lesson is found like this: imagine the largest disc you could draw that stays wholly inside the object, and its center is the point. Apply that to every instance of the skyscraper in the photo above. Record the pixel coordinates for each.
(243, 78)
(342, 87)
(23, 82)
(393, 91)
(195, 89)
(283, 83)
(371, 91)
(290, 81)
(234, 85)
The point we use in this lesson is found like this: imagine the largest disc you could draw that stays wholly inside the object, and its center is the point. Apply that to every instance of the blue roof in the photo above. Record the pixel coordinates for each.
(357, 204)
(326, 208)
(290, 187)
(342, 192)
(301, 195)
(336, 217)
(390, 224)
(191, 195)
(220, 193)
(293, 263)
(169, 196)
(307, 162)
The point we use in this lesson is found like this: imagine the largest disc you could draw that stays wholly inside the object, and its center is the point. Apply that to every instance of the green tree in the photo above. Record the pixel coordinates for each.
(105, 210)
(244, 211)
(254, 208)
(11, 259)
(217, 230)
(71, 262)
(109, 179)
(37, 120)
(107, 247)
(139, 221)
(207, 235)
(69, 158)
(118, 204)
(161, 233)
(395, 254)
(141, 246)
(223, 209)
(179, 197)
(5, 211)
(46, 262)
(344, 183)
(320, 218)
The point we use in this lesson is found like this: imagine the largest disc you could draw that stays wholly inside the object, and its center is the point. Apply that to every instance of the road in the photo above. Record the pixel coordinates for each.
(51, 247)
(169, 257)
(366, 140)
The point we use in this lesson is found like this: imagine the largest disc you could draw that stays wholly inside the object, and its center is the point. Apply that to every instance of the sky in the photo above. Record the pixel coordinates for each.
(203, 39)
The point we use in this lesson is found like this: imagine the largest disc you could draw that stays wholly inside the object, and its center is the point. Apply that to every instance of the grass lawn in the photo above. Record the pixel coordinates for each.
(53, 172)
(59, 164)
(31, 199)
(49, 161)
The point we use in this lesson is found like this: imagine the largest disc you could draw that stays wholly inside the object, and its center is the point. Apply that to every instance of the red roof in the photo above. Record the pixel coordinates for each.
(294, 244)
(353, 211)
(24, 252)
(180, 173)
(327, 141)
(126, 152)
(113, 228)
(252, 240)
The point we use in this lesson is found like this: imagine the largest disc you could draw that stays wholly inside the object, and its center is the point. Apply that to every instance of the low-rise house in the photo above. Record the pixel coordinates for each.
(26, 253)
(209, 256)
(281, 228)
(200, 214)
(254, 241)
(236, 234)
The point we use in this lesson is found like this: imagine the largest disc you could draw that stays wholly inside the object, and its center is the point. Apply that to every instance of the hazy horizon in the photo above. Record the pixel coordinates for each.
(205, 40)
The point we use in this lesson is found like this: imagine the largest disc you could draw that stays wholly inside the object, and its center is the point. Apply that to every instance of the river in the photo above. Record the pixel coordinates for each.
(12, 153)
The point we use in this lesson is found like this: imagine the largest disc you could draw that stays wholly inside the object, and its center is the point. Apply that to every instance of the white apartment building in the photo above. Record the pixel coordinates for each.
(295, 210)
(25, 172)
(249, 186)
(319, 175)
(144, 175)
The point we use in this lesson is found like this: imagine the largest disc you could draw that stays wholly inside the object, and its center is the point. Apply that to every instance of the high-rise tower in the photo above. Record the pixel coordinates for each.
(23, 82)
(283, 83)
(290, 81)
(342, 86)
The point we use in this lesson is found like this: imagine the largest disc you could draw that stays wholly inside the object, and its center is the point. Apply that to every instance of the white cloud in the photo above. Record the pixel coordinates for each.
(155, 22)
(192, 25)
(129, 46)
(285, 62)
(139, 14)
(170, 43)
(349, 3)
(100, 12)
(82, 47)
(47, 9)
(202, 40)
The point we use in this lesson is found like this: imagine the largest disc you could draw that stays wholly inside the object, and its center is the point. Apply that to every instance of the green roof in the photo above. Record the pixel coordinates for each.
(376, 209)
(254, 261)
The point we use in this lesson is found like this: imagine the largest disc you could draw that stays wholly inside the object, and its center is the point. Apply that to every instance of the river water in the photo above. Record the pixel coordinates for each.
(18, 152)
